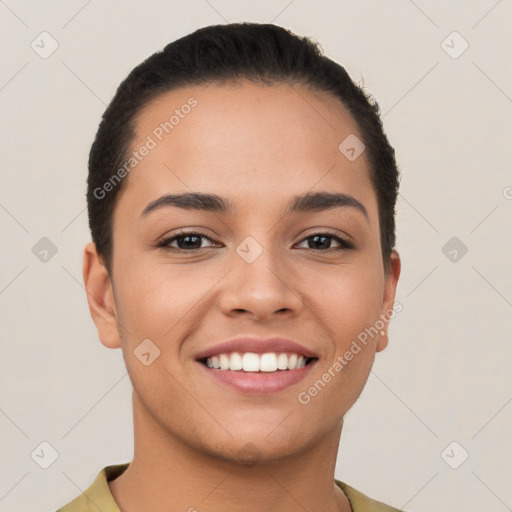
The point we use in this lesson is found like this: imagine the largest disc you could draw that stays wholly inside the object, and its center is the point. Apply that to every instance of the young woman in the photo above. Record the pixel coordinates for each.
(241, 197)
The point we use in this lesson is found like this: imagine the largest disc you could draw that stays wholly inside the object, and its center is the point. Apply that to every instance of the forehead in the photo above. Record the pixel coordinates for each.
(245, 141)
(295, 114)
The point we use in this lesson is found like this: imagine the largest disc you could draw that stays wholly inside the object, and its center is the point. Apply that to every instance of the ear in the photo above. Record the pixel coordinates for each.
(388, 298)
(100, 297)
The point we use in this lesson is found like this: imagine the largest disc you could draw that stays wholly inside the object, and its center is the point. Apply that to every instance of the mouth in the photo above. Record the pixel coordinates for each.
(257, 374)
(251, 362)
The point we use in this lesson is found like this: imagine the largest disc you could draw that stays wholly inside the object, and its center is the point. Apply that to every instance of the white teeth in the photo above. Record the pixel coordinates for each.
(251, 362)
(282, 362)
(292, 362)
(235, 362)
(224, 362)
(268, 362)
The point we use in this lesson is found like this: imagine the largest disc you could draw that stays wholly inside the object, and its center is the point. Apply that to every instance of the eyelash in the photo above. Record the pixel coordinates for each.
(164, 244)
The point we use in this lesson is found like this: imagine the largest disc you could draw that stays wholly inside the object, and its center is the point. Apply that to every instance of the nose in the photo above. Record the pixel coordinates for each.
(262, 287)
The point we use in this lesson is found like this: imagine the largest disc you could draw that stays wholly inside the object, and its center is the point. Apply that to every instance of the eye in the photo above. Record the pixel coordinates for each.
(323, 240)
(186, 241)
(192, 241)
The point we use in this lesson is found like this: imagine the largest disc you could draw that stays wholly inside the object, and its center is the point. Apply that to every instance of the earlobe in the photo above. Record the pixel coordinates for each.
(388, 299)
(382, 342)
(100, 297)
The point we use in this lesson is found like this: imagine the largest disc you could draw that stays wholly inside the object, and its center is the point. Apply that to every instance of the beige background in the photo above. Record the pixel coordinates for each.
(446, 374)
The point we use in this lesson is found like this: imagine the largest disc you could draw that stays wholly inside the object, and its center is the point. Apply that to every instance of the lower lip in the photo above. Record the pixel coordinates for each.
(259, 383)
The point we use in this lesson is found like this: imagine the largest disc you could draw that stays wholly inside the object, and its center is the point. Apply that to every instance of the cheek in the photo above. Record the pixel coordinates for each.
(348, 298)
(156, 300)
(355, 307)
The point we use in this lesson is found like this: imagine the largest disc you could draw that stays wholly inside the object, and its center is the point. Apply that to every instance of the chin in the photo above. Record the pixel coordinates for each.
(257, 448)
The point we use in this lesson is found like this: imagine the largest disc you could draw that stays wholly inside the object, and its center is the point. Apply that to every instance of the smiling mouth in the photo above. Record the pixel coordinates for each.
(251, 362)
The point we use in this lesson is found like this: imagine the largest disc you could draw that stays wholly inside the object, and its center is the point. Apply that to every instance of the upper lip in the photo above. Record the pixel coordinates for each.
(256, 345)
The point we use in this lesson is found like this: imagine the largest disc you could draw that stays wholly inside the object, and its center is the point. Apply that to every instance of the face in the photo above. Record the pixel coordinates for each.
(260, 269)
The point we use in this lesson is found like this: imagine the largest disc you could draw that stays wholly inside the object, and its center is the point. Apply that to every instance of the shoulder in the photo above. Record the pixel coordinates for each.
(97, 496)
(362, 503)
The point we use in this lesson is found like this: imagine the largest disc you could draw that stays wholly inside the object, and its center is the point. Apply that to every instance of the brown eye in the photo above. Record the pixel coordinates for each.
(322, 242)
(192, 241)
(185, 241)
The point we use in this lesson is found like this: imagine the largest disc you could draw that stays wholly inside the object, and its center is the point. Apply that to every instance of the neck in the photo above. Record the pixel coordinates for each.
(168, 474)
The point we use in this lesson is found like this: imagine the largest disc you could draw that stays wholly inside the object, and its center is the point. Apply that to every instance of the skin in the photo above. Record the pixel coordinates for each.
(257, 146)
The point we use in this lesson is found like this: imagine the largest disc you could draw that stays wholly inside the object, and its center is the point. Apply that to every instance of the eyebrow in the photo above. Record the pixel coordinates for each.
(304, 203)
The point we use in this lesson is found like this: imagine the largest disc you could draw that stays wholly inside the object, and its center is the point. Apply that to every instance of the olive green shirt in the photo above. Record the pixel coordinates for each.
(99, 498)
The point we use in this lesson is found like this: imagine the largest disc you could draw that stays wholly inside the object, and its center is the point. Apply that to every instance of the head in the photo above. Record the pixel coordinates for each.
(259, 117)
